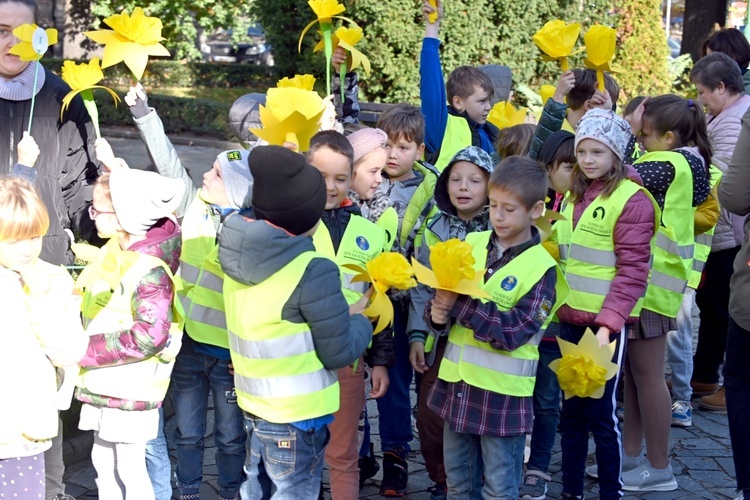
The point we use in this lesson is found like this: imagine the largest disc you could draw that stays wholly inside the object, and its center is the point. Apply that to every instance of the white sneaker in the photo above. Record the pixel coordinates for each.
(682, 414)
(628, 463)
(647, 478)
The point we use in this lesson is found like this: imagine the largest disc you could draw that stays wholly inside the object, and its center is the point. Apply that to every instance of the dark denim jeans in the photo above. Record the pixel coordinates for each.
(737, 385)
(193, 376)
(285, 463)
(546, 408)
(394, 408)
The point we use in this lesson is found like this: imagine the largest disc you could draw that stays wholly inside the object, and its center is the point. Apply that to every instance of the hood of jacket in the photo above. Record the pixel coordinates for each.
(163, 240)
(251, 251)
(472, 154)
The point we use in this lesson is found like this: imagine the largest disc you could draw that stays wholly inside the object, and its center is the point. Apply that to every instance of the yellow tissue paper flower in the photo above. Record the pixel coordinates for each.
(453, 268)
(82, 78)
(348, 38)
(132, 39)
(601, 42)
(290, 115)
(546, 92)
(326, 9)
(584, 368)
(25, 48)
(387, 270)
(304, 82)
(557, 40)
(504, 115)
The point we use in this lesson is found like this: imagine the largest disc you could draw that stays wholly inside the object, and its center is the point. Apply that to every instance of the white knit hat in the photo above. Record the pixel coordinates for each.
(141, 198)
(238, 182)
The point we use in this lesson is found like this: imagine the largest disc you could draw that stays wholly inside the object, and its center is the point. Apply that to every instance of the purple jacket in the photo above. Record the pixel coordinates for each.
(632, 235)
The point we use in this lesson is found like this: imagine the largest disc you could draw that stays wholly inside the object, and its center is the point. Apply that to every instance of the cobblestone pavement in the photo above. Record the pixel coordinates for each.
(701, 455)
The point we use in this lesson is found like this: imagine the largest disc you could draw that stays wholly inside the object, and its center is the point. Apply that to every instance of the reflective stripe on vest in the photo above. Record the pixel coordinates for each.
(587, 253)
(278, 374)
(107, 311)
(703, 241)
(202, 277)
(457, 136)
(673, 248)
(477, 363)
(361, 242)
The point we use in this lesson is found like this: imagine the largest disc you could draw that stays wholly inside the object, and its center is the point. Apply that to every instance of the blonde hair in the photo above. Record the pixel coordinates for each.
(102, 186)
(23, 215)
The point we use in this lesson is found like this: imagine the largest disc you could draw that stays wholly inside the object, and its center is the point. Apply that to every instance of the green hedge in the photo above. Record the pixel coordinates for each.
(161, 73)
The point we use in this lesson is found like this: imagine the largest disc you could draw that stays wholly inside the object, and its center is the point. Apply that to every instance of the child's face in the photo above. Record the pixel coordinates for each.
(401, 157)
(336, 170)
(651, 140)
(17, 254)
(559, 177)
(510, 218)
(367, 175)
(213, 190)
(103, 214)
(467, 189)
(477, 105)
(594, 159)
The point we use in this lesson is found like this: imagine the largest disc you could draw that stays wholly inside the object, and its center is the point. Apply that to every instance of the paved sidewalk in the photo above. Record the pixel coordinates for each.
(701, 454)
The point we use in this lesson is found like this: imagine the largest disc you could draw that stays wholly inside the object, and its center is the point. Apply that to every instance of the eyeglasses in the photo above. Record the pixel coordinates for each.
(94, 213)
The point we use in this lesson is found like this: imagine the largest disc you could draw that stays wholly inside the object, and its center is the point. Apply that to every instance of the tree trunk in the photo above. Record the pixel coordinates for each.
(700, 18)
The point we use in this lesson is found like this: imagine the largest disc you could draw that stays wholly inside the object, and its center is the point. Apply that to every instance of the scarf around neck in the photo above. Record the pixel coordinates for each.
(21, 86)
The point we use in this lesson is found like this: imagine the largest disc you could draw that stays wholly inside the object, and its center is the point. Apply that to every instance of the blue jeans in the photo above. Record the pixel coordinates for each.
(546, 407)
(467, 457)
(737, 385)
(583, 415)
(394, 408)
(285, 463)
(680, 349)
(158, 464)
(193, 376)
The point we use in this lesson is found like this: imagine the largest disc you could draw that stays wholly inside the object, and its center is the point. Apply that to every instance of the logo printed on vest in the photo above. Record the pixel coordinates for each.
(509, 283)
(362, 243)
(234, 155)
(599, 213)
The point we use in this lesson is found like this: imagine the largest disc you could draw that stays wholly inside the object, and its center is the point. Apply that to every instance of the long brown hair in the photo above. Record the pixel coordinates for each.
(579, 183)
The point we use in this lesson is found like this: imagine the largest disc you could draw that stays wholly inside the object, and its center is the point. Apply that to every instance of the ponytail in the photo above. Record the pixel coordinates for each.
(682, 117)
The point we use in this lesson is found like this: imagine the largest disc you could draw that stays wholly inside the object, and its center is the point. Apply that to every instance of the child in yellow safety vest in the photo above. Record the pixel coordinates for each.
(134, 329)
(486, 378)
(674, 170)
(604, 245)
(41, 330)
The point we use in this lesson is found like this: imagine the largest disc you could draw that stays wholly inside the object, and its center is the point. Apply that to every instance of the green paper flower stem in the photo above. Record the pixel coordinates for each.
(342, 75)
(327, 30)
(88, 101)
(33, 93)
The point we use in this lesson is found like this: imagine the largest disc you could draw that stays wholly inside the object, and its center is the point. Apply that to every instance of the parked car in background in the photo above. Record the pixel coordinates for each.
(251, 48)
(674, 47)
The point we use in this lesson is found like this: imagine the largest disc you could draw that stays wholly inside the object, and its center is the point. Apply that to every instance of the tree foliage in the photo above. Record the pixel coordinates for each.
(642, 49)
(182, 20)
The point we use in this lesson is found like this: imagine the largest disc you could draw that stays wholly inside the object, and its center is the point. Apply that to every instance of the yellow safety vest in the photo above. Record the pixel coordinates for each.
(277, 373)
(457, 137)
(674, 244)
(703, 241)
(105, 311)
(362, 241)
(587, 253)
(477, 363)
(202, 277)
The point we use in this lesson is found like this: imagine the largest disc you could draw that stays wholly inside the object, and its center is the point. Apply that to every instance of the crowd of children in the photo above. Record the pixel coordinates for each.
(250, 299)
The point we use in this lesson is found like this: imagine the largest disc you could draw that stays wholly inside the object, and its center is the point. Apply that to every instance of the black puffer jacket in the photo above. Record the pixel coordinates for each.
(381, 352)
(66, 167)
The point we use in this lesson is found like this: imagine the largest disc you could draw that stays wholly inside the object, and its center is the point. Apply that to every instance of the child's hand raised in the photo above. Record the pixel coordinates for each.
(432, 7)
(635, 119)
(28, 150)
(601, 99)
(137, 101)
(564, 85)
(107, 157)
(339, 57)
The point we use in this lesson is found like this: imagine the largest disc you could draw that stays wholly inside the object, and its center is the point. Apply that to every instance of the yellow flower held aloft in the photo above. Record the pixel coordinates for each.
(304, 82)
(600, 46)
(82, 76)
(557, 39)
(25, 48)
(326, 9)
(504, 115)
(290, 115)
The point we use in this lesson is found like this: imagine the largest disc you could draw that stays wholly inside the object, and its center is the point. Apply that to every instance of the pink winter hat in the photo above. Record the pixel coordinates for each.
(365, 140)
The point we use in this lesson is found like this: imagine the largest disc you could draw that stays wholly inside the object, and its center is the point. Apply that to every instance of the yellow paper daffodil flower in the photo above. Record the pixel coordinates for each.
(546, 92)
(326, 11)
(132, 39)
(584, 368)
(601, 42)
(453, 268)
(290, 115)
(83, 78)
(348, 38)
(304, 82)
(387, 270)
(543, 222)
(504, 115)
(27, 49)
(109, 264)
(557, 40)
